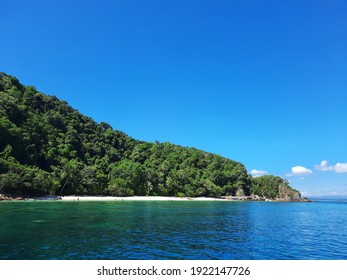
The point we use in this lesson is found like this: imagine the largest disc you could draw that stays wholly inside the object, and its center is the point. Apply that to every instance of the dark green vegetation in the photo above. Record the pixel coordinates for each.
(47, 147)
(274, 187)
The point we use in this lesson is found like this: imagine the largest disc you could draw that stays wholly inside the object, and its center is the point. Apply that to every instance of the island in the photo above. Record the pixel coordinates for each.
(48, 148)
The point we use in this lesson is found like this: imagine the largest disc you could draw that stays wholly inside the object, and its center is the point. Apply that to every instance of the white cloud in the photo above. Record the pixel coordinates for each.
(256, 172)
(299, 171)
(324, 166)
(338, 167)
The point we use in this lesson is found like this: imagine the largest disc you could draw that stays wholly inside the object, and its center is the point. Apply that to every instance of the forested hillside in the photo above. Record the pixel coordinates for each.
(47, 147)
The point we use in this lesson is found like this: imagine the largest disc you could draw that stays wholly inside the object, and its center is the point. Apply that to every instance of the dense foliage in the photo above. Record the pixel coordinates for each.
(47, 147)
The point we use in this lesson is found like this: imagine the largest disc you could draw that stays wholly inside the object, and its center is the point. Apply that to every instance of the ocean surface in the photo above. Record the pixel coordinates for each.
(173, 230)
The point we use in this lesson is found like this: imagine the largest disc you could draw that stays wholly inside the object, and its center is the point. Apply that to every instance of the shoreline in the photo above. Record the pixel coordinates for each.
(143, 198)
(172, 198)
(137, 198)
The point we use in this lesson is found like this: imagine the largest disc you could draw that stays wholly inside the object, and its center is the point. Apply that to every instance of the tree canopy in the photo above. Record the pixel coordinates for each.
(47, 147)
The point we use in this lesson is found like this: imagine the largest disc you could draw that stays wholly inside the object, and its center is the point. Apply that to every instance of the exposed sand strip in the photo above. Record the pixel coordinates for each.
(138, 198)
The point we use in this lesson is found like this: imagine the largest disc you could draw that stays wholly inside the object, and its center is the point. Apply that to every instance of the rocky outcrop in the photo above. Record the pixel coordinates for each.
(10, 197)
(286, 193)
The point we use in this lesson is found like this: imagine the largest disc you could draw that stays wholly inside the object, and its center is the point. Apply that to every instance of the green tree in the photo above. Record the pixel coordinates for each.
(132, 173)
(46, 146)
(70, 177)
(119, 187)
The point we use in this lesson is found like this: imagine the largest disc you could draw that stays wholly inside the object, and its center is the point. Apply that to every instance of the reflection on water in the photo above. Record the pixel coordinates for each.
(172, 230)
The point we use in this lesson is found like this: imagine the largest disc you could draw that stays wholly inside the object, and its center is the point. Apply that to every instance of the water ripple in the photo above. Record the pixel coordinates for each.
(175, 230)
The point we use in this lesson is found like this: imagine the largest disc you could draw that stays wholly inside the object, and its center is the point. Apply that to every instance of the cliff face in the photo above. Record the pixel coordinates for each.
(286, 193)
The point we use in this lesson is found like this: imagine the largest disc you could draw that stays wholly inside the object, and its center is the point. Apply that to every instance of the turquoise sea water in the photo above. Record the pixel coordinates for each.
(173, 230)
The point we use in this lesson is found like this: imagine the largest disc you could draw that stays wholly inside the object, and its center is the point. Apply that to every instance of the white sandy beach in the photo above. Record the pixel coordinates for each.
(138, 198)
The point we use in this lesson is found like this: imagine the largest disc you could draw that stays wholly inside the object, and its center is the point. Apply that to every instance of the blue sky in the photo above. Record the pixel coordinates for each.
(261, 82)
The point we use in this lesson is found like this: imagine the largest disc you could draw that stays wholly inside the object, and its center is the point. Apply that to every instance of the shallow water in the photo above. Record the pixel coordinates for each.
(172, 230)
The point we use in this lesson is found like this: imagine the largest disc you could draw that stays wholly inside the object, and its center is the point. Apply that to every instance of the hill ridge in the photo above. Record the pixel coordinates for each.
(47, 147)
